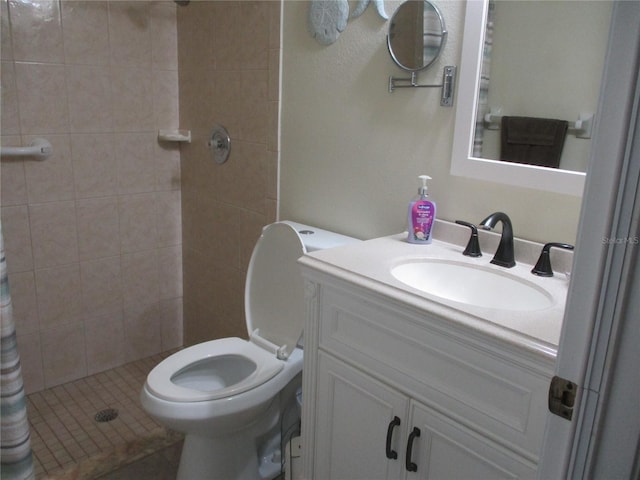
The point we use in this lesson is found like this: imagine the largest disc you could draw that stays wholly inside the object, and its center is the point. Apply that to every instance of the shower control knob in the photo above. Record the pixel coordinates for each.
(219, 144)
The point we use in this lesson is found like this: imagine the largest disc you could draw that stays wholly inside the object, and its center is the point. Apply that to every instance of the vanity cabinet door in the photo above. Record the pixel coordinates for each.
(357, 425)
(446, 450)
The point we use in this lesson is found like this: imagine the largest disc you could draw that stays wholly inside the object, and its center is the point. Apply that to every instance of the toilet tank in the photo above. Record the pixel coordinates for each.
(318, 239)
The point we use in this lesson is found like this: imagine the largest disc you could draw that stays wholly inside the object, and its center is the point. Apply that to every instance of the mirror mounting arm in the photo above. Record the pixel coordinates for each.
(447, 85)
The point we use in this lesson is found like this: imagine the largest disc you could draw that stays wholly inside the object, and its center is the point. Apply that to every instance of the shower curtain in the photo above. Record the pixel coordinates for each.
(15, 447)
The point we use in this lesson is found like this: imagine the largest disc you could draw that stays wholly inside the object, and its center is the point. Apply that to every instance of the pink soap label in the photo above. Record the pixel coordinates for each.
(422, 214)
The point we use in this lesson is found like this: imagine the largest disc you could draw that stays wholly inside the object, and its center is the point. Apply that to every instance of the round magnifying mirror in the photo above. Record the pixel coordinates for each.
(416, 35)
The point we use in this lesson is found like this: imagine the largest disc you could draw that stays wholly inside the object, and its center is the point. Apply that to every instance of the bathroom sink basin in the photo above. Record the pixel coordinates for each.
(472, 285)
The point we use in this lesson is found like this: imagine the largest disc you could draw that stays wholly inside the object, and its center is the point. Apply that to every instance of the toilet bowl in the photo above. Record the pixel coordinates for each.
(234, 399)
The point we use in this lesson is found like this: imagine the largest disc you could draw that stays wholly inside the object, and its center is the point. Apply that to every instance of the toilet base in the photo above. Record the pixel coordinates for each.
(253, 453)
(243, 446)
(233, 457)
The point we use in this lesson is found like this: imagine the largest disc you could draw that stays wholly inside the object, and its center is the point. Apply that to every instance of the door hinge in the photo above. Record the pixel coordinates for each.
(562, 397)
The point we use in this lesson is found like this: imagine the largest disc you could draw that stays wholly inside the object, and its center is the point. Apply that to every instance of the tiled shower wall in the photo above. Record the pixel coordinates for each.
(93, 233)
(229, 74)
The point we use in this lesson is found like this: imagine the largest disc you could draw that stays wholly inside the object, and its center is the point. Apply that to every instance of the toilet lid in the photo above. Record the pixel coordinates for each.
(274, 292)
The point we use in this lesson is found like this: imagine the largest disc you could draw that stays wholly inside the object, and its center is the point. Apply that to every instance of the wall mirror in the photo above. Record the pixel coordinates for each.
(417, 35)
(544, 60)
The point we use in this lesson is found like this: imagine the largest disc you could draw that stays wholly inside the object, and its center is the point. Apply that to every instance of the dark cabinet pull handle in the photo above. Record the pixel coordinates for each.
(392, 424)
(411, 467)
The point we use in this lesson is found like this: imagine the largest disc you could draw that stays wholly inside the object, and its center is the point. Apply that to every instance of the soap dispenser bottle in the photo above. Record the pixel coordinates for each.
(422, 215)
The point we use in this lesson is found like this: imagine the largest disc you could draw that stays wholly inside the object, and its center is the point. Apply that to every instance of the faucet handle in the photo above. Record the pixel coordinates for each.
(473, 246)
(543, 266)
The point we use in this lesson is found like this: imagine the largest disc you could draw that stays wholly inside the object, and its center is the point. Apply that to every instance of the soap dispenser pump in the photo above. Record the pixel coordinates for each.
(422, 215)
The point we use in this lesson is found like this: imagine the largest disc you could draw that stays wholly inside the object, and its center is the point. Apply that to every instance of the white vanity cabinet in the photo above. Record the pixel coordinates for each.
(354, 412)
(382, 376)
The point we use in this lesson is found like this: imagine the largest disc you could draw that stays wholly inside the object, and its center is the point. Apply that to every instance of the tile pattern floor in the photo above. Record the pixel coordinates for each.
(161, 465)
(67, 441)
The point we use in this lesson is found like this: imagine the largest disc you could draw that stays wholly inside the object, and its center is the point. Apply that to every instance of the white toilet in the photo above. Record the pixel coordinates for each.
(235, 399)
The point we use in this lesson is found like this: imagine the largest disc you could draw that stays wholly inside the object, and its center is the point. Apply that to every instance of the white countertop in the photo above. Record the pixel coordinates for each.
(369, 263)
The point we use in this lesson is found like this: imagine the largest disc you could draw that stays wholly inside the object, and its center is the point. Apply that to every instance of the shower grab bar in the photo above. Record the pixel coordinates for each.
(39, 149)
(581, 128)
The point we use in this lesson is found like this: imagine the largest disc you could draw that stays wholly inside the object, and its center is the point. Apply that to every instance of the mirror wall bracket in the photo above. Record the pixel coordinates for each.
(447, 85)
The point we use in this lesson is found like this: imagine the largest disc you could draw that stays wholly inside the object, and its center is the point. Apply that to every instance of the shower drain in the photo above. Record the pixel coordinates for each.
(106, 415)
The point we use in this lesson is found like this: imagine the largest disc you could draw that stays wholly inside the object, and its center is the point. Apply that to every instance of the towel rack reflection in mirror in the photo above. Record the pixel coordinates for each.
(581, 128)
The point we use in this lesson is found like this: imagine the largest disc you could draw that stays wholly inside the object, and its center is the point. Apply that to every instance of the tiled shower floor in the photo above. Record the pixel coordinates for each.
(67, 441)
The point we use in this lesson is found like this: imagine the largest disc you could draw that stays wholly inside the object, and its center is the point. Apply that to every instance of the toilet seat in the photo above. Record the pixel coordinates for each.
(161, 380)
(274, 311)
(274, 290)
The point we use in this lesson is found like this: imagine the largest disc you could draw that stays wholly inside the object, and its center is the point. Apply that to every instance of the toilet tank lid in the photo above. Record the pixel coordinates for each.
(315, 238)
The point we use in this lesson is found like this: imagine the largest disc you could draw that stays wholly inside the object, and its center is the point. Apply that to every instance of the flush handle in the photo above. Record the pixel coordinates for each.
(562, 397)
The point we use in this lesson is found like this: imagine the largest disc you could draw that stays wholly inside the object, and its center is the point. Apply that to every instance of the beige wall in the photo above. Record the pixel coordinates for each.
(229, 61)
(92, 233)
(351, 151)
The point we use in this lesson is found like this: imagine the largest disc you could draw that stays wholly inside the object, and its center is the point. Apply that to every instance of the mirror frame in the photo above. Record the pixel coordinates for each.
(462, 163)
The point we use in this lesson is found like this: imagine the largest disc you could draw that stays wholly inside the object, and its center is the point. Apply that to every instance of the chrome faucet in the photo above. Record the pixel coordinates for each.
(504, 255)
